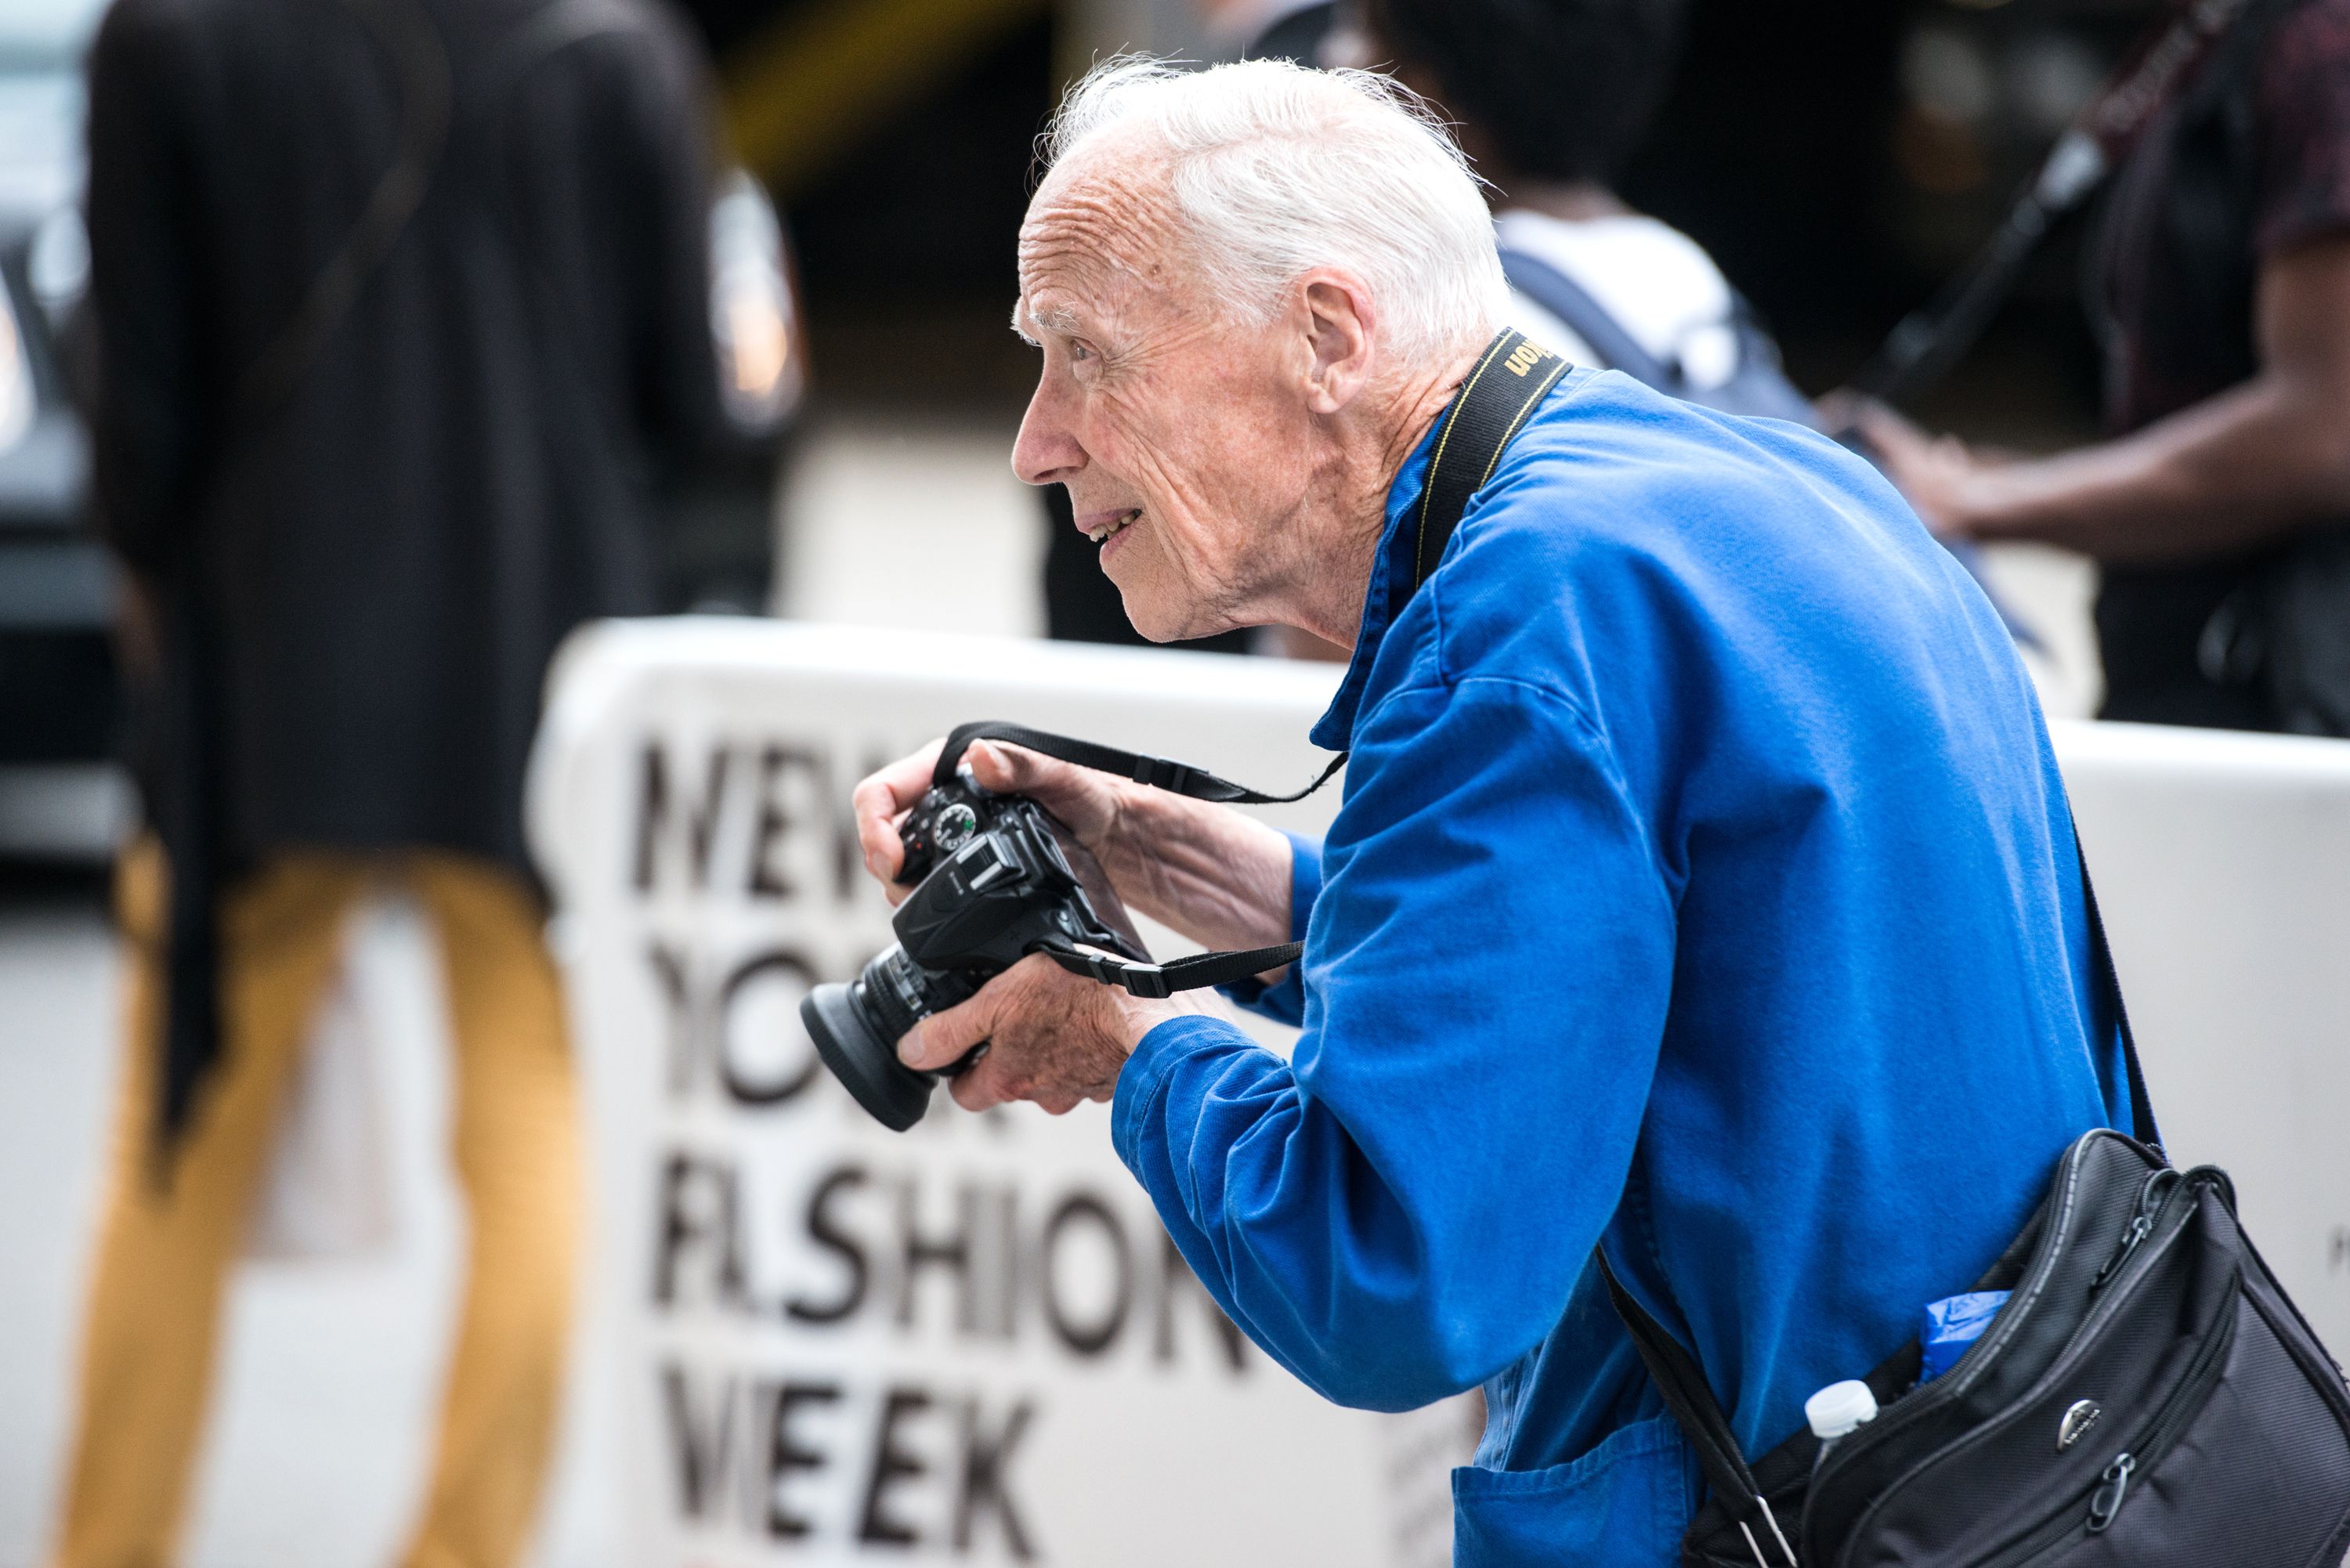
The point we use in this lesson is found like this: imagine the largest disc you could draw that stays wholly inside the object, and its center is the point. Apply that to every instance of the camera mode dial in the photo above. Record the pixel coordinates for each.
(946, 819)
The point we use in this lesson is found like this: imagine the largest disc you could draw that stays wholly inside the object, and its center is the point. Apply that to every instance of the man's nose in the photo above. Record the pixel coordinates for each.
(1048, 451)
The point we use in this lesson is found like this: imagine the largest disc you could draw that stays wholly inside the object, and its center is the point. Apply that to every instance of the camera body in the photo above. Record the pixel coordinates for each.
(997, 877)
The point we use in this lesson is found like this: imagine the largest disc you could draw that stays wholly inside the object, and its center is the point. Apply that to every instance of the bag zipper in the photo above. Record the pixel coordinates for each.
(2160, 1436)
(2106, 1500)
(2141, 1226)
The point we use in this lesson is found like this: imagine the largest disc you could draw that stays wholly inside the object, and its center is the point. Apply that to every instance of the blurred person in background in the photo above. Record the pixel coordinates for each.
(403, 317)
(2217, 508)
(1552, 98)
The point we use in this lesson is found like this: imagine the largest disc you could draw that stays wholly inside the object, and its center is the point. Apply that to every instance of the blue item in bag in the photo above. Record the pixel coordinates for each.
(1953, 1323)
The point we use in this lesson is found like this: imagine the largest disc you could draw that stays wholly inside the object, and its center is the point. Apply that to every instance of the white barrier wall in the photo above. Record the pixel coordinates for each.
(2222, 862)
(816, 1339)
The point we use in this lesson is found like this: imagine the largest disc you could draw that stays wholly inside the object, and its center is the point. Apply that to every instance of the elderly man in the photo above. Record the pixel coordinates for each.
(1703, 890)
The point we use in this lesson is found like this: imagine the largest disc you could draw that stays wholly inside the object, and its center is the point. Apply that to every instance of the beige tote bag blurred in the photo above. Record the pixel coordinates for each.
(328, 1196)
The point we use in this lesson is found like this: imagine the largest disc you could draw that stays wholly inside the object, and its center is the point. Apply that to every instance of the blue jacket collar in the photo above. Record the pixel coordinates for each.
(1334, 731)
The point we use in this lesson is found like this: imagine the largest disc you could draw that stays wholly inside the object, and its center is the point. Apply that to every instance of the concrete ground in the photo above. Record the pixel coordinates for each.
(330, 1371)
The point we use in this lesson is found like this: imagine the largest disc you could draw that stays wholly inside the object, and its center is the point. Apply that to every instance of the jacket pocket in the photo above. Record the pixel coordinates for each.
(1622, 1505)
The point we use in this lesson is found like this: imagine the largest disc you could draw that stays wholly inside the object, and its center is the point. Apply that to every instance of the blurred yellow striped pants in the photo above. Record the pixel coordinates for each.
(166, 1247)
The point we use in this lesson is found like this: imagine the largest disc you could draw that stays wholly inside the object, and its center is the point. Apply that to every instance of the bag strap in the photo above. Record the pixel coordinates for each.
(1575, 305)
(1681, 1381)
(2108, 980)
(407, 33)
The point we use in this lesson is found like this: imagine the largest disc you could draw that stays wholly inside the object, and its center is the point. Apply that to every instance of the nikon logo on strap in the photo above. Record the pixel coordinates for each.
(1472, 435)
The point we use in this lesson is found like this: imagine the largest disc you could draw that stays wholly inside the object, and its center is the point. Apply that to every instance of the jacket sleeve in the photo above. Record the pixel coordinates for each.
(1402, 1209)
(144, 386)
(1284, 1002)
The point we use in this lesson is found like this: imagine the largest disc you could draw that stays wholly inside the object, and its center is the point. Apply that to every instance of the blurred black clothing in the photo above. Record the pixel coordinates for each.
(1562, 90)
(1298, 36)
(1081, 605)
(384, 539)
(2252, 159)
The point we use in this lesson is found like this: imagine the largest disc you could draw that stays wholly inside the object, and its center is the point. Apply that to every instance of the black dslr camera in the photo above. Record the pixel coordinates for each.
(1000, 877)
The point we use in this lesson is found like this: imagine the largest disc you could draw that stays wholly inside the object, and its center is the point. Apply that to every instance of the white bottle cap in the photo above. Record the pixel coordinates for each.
(1840, 1409)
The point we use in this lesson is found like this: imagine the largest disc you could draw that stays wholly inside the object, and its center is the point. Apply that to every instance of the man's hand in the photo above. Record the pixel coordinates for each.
(1089, 803)
(1052, 1037)
(2243, 467)
(1216, 874)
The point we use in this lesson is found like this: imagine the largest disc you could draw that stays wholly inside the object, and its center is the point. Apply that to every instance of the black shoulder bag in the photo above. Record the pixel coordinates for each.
(2148, 1397)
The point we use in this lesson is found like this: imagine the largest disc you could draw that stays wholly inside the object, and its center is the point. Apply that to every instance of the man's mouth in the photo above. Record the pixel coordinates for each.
(1112, 524)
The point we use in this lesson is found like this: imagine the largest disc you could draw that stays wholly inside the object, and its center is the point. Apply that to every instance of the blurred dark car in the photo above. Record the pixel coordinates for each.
(58, 701)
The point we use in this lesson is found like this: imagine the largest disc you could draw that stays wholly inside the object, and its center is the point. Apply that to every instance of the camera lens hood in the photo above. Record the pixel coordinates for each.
(867, 1065)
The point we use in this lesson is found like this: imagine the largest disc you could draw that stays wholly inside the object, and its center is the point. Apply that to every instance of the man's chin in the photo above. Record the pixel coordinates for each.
(1160, 617)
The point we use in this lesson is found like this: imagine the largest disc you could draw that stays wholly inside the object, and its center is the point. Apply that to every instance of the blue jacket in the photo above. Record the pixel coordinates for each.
(1703, 886)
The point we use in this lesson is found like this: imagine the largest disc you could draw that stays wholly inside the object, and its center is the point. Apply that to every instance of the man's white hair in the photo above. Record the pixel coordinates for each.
(1277, 170)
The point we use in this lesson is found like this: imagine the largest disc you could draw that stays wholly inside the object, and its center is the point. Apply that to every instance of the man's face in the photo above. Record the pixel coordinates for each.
(1183, 433)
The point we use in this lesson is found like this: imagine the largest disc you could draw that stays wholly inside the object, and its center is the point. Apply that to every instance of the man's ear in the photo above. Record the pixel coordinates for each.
(1338, 323)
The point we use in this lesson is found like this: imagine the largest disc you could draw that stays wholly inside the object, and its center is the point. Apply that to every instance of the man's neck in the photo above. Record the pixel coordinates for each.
(1334, 583)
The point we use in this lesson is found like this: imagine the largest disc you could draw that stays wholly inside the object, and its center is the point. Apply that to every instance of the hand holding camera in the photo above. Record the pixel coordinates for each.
(1048, 1035)
(1010, 921)
(1218, 876)
(1089, 804)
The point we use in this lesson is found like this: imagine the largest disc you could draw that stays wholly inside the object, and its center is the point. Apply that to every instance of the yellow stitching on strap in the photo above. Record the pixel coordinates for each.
(1510, 434)
(1427, 486)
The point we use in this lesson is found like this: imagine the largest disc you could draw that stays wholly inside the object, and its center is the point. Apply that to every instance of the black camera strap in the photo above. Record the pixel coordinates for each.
(1509, 381)
(1500, 392)
(1198, 972)
(1158, 772)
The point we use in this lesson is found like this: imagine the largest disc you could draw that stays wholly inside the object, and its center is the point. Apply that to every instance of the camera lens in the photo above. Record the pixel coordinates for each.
(857, 1028)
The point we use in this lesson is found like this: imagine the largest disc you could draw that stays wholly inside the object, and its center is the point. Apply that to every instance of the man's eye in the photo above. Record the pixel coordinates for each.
(1079, 353)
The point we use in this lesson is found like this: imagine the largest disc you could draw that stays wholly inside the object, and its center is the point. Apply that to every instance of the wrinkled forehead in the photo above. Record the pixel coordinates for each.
(1102, 235)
